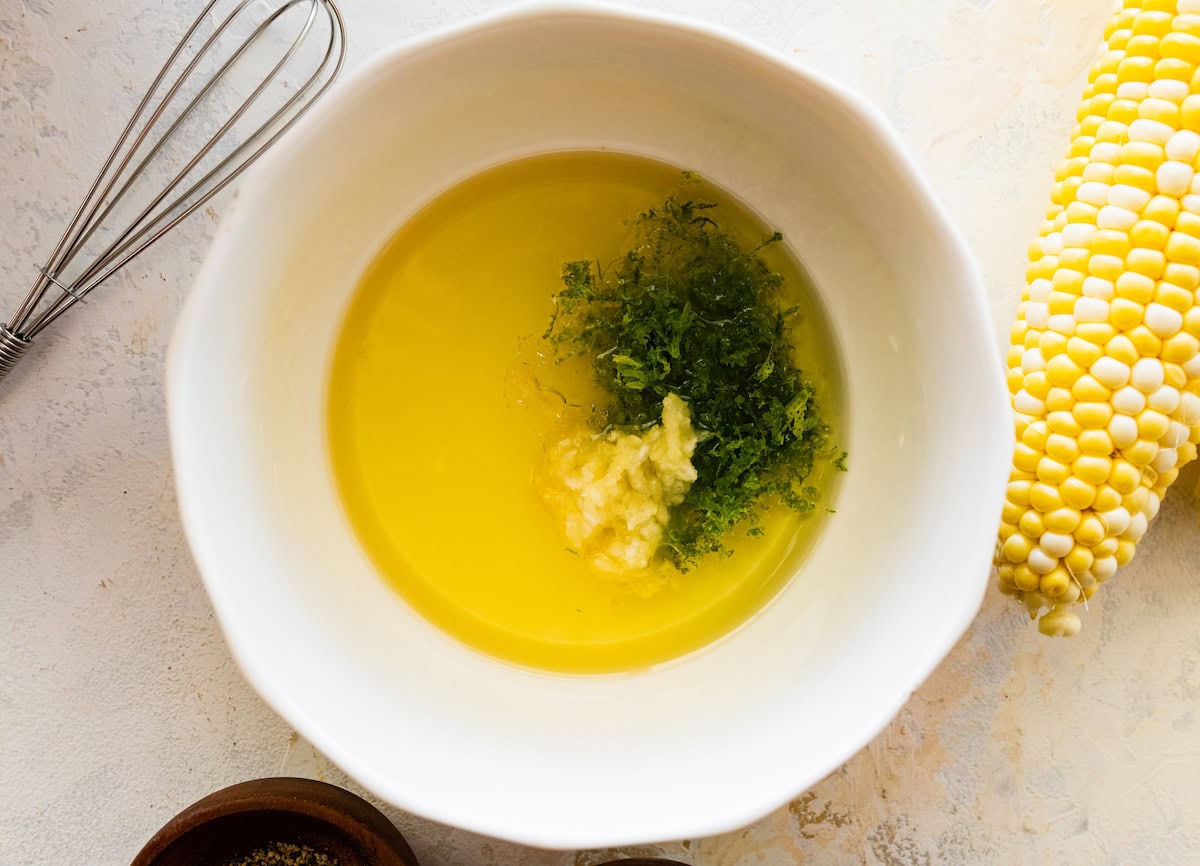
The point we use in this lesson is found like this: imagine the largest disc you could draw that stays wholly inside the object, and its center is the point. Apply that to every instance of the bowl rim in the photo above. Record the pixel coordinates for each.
(751, 806)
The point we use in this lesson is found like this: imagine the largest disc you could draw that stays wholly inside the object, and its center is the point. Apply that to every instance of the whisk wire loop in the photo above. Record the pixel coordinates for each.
(169, 206)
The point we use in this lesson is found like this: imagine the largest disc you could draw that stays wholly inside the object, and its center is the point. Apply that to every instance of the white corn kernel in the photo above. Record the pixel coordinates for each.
(1123, 430)
(1176, 435)
(1093, 192)
(1116, 520)
(1165, 400)
(1148, 375)
(1190, 203)
(1027, 403)
(1104, 567)
(1136, 528)
(1112, 216)
(1184, 145)
(1126, 196)
(1093, 287)
(1032, 361)
(1171, 90)
(1189, 409)
(1056, 544)
(1037, 314)
(1165, 461)
(1091, 310)
(1191, 367)
(1174, 178)
(1128, 400)
(1150, 130)
(1077, 234)
(1040, 562)
(1152, 505)
(1106, 151)
(1040, 289)
(1135, 90)
(1110, 372)
(1052, 244)
(1062, 323)
(1163, 320)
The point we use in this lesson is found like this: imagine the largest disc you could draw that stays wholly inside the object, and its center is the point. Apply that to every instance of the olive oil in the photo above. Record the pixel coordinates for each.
(438, 413)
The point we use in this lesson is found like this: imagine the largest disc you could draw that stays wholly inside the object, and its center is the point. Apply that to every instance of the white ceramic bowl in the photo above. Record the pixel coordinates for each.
(700, 746)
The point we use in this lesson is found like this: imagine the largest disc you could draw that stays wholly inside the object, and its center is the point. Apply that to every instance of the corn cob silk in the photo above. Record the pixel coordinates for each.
(1104, 361)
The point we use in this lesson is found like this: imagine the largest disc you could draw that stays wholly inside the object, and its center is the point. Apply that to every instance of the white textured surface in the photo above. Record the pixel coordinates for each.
(119, 703)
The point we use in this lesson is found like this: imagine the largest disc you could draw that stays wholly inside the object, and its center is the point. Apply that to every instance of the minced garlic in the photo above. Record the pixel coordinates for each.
(611, 495)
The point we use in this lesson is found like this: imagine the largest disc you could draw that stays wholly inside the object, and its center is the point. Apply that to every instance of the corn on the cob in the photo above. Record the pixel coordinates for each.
(1104, 362)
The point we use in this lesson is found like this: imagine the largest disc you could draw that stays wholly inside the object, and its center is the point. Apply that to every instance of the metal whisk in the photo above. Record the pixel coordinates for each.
(200, 65)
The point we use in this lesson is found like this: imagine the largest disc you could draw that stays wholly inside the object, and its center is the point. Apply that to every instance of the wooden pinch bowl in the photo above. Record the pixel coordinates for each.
(230, 824)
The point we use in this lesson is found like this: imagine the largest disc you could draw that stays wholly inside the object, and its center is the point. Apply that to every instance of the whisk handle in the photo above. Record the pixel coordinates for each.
(12, 347)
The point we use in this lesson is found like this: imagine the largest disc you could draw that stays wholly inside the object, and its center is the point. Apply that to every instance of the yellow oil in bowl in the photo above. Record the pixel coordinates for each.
(435, 440)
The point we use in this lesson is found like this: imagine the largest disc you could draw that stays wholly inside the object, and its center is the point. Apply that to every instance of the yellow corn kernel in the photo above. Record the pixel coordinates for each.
(1035, 435)
(1026, 458)
(1183, 248)
(1124, 476)
(1052, 471)
(1059, 400)
(1140, 453)
(1025, 578)
(1076, 493)
(1175, 297)
(1051, 343)
(1149, 234)
(1153, 23)
(1136, 287)
(1062, 520)
(1060, 302)
(1055, 583)
(1063, 422)
(1123, 110)
(1059, 621)
(1037, 385)
(1106, 267)
(1148, 262)
(1163, 209)
(1107, 498)
(1016, 380)
(1045, 497)
(1018, 492)
(1092, 415)
(1174, 69)
(1072, 268)
(1145, 341)
(1136, 176)
(1110, 242)
(1184, 46)
(1016, 547)
(1011, 512)
(1086, 389)
(1119, 348)
(1062, 448)
(1188, 223)
(1125, 314)
(1062, 371)
(1123, 554)
(1031, 525)
(1095, 332)
(1153, 425)
(1092, 469)
(1180, 348)
(1184, 276)
(1096, 442)
(1082, 352)
(1091, 531)
(1145, 154)
(1174, 375)
(1082, 212)
(1079, 560)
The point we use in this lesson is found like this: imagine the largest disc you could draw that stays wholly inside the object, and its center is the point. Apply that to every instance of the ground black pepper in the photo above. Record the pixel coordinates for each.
(285, 854)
